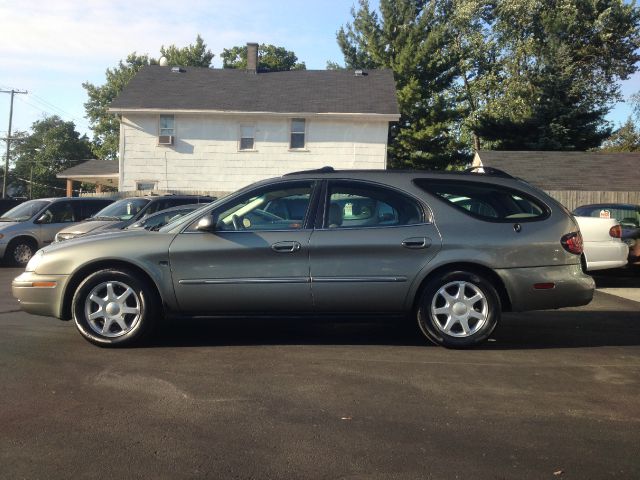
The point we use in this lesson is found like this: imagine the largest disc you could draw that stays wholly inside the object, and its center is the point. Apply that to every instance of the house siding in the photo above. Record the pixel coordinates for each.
(205, 155)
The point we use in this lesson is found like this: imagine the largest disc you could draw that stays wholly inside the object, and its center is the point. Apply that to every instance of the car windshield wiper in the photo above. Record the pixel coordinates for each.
(105, 218)
(9, 219)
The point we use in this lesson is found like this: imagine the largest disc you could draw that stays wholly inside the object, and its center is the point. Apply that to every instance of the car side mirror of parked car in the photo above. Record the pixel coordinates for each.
(206, 224)
(44, 218)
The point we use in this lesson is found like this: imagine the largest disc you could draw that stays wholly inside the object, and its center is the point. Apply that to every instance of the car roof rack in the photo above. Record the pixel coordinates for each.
(317, 170)
(494, 172)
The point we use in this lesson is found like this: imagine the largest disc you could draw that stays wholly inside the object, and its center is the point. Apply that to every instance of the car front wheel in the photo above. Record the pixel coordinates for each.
(458, 309)
(20, 252)
(114, 308)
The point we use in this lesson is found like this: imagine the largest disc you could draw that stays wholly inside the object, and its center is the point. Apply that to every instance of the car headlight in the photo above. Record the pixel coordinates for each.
(64, 236)
(34, 262)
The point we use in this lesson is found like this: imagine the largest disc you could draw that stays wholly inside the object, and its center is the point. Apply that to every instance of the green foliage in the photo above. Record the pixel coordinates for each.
(544, 74)
(105, 126)
(52, 146)
(625, 139)
(270, 58)
(413, 39)
(195, 55)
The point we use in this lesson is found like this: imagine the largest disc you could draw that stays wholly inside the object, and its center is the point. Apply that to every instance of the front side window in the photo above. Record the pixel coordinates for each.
(276, 207)
(61, 212)
(485, 201)
(167, 125)
(297, 133)
(247, 137)
(353, 205)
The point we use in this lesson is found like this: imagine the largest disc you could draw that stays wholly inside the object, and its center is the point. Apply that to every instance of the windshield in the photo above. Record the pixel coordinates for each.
(24, 211)
(124, 209)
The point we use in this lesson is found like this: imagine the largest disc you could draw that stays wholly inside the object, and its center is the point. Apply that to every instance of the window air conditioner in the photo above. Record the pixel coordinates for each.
(165, 140)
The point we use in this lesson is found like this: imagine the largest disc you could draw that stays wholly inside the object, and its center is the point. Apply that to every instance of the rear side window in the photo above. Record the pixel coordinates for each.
(355, 204)
(493, 203)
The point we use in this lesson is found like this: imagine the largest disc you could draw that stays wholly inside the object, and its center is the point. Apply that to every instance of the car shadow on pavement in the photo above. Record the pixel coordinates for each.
(618, 278)
(517, 331)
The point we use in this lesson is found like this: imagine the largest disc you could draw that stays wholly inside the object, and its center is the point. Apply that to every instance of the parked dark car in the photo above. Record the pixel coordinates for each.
(159, 219)
(453, 250)
(629, 217)
(8, 203)
(33, 224)
(126, 212)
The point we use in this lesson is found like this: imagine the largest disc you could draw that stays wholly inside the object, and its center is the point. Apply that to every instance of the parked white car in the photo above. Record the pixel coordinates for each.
(603, 247)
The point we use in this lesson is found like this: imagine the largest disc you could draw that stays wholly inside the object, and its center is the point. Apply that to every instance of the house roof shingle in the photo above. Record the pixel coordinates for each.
(90, 168)
(582, 171)
(300, 91)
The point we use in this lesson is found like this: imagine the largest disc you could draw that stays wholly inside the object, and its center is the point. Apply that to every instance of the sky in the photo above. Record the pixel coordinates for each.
(50, 48)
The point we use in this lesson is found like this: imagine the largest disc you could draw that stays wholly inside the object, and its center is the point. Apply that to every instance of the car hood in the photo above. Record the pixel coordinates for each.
(93, 226)
(100, 237)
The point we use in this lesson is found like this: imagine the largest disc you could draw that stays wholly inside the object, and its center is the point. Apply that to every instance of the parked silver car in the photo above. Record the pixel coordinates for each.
(34, 224)
(455, 250)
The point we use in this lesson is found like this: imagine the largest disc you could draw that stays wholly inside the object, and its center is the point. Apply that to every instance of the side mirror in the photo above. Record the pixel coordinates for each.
(43, 218)
(205, 224)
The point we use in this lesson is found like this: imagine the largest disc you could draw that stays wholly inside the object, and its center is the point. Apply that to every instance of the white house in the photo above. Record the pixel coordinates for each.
(217, 130)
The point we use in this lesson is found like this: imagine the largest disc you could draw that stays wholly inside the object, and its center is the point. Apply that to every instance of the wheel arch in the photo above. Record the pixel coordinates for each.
(79, 275)
(470, 267)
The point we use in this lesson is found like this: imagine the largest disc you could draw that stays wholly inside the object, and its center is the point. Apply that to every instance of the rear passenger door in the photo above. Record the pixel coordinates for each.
(369, 246)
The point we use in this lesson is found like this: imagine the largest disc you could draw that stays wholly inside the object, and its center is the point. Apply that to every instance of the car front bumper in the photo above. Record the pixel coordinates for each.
(40, 294)
(540, 288)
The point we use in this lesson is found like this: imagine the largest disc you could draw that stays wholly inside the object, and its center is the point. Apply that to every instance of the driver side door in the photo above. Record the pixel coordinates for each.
(254, 259)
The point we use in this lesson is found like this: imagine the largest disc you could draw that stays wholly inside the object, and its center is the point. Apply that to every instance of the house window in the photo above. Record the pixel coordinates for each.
(247, 137)
(297, 133)
(145, 185)
(166, 125)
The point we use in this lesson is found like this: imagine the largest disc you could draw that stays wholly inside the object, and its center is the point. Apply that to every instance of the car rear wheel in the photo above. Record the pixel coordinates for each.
(458, 309)
(20, 251)
(114, 308)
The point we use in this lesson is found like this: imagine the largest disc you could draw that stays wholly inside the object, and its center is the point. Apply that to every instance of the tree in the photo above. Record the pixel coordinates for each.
(412, 38)
(195, 55)
(270, 58)
(559, 63)
(52, 146)
(105, 126)
(624, 139)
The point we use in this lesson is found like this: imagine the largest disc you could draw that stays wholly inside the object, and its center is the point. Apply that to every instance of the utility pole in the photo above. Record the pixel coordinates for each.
(8, 140)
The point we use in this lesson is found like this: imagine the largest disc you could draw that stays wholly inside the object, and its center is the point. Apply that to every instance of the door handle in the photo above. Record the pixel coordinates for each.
(416, 242)
(286, 247)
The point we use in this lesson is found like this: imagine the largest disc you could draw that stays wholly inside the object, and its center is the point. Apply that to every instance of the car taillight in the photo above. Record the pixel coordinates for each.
(572, 242)
(615, 231)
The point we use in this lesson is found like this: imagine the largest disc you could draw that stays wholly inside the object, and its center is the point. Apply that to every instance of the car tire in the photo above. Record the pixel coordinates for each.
(20, 251)
(115, 308)
(458, 309)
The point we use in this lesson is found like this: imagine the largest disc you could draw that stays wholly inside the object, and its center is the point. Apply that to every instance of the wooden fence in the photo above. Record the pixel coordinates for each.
(575, 198)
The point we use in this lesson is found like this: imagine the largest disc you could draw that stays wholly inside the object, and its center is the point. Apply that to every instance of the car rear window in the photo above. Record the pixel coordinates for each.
(627, 215)
(493, 203)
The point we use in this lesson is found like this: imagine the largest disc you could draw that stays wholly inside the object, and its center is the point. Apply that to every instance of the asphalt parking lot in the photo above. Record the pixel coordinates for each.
(554, 394)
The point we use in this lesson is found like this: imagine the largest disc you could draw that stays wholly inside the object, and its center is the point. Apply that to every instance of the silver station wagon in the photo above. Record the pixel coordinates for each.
(452, 250)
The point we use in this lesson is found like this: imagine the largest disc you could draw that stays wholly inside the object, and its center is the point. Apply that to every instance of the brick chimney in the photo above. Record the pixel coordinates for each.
(252, 57)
